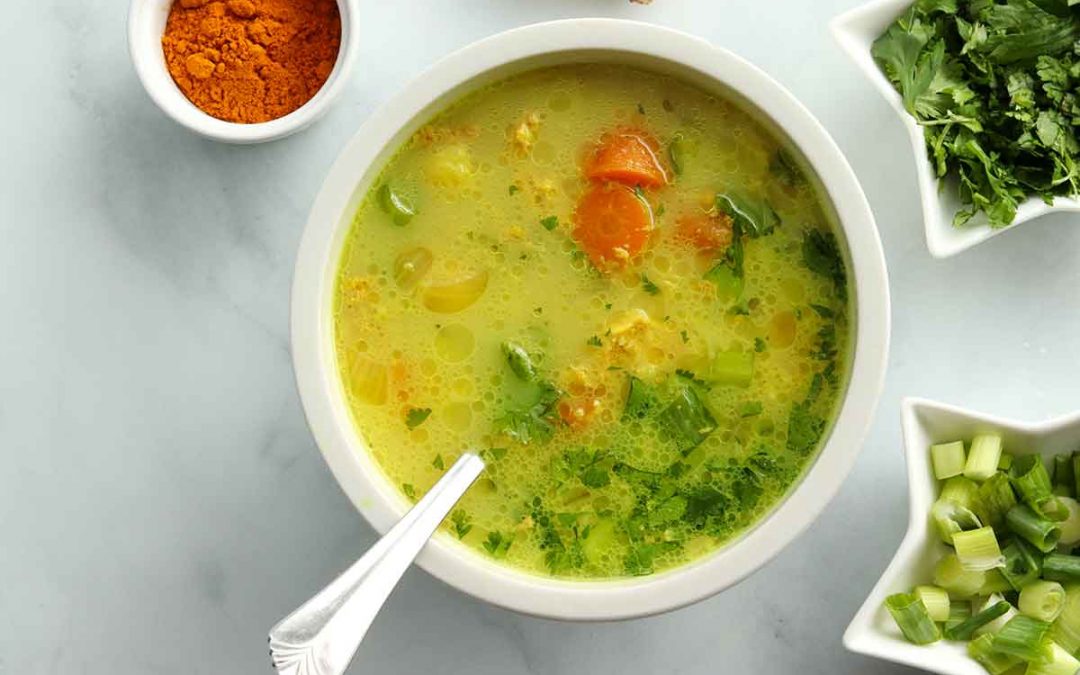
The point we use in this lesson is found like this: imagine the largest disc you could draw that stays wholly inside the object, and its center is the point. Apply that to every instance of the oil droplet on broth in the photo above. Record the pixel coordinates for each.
(454, 342)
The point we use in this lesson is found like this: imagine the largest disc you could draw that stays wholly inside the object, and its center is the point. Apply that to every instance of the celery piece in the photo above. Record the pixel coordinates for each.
(948, 459)
(982, 650)
(1042, 600)
(1026, 638)
(978, 550)
(911, 616)
(936, 601)
(729, 285)
(983, 457)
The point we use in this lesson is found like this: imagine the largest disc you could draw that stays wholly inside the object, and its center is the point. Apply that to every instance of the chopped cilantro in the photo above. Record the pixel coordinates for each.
(536, 421)
(438, 463)
(684, 335)
(550, 223)
(409, 491)
(595, 341)
(461, 522)
(640, 109)
(513, 189)
(759, 344)
(750, 409)
(416, 416)
(649, 286)
(822, 256)
(497, 544)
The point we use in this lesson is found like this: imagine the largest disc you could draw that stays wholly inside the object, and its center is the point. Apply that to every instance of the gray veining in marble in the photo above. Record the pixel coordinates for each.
(161, 501)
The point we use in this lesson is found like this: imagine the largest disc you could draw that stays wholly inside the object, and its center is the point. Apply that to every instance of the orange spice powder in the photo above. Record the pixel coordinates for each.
(251, 61)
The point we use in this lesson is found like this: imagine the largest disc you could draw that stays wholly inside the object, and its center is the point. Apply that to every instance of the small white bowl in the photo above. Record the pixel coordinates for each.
(575, 41)
(146, 25)
(872, 632)
(856, 31)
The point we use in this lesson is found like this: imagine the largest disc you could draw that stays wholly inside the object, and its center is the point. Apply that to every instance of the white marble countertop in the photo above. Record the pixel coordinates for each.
(161, 501)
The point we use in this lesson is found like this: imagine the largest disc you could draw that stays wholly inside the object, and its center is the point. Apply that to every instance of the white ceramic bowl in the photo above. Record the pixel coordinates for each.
(872, 631)
(146, 25)
(592, 40)
(856, 31)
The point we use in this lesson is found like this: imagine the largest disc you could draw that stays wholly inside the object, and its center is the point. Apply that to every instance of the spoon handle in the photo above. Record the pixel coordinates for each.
(322, 635)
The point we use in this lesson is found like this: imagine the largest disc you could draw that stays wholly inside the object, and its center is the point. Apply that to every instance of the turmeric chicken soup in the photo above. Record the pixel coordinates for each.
(620, 290)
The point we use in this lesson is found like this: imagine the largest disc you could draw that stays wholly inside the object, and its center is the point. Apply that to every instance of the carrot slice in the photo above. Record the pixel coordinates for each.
(629, 157)
(704, 231)
(612, 224)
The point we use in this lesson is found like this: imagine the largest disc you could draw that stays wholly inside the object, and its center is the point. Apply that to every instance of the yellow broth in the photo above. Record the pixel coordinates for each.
(585, 478)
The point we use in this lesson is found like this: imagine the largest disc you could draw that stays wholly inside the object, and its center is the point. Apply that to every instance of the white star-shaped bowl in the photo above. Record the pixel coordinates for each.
(856, 31)
(872, 632)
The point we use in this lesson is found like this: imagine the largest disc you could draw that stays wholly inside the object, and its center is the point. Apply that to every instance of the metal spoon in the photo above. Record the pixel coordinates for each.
(322, 635)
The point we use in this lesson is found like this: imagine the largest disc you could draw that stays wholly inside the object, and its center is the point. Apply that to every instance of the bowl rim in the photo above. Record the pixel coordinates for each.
(863, 635)
(854, 32)
(147, 57)
(342, 447)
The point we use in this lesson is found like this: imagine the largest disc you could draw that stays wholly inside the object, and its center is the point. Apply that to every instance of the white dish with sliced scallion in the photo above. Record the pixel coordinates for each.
(985, 579)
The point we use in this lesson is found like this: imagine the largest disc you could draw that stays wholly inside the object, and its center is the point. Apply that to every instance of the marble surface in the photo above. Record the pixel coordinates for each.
(161, 500)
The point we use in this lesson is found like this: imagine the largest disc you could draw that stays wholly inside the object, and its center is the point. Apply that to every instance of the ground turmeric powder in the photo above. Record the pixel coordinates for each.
(251, 61)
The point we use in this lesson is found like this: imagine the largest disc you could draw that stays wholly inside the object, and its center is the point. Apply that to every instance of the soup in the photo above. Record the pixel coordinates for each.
(619, 289)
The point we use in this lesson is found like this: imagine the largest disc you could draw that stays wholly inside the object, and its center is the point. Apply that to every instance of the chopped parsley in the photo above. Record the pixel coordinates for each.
(497, 544)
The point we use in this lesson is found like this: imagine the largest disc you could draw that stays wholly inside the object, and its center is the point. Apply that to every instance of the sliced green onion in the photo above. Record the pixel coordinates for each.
(1060, 567)
(732, 368)
(982, 650)
(956, 508)
(978, 550)
(1070, 527)
(959, 612)
(1029, 477)
(1066, 630)
(1026, 638)
(960, 583)
(1076, 473)
(1064, 478)
(983, 457)
(995, 582)
(1005, 462)
(912, 618)
(936, 601)
(400, 210)
(996, 497)
(966, 629)
(948, 459)
(1023, 564)
(1042, 600)
(1022, 520)
(995, 625)
(1061, 662)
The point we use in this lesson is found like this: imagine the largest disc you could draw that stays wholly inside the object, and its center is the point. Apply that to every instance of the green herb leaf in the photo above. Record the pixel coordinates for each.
(519, 360)
(416, 416)
(409, 491)
(649, 286)
(497, 544)
(438, 463)
(461, 522)
(550, 223)
(754, 217)
(822, 255)
(595, 341)
(640, 399)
